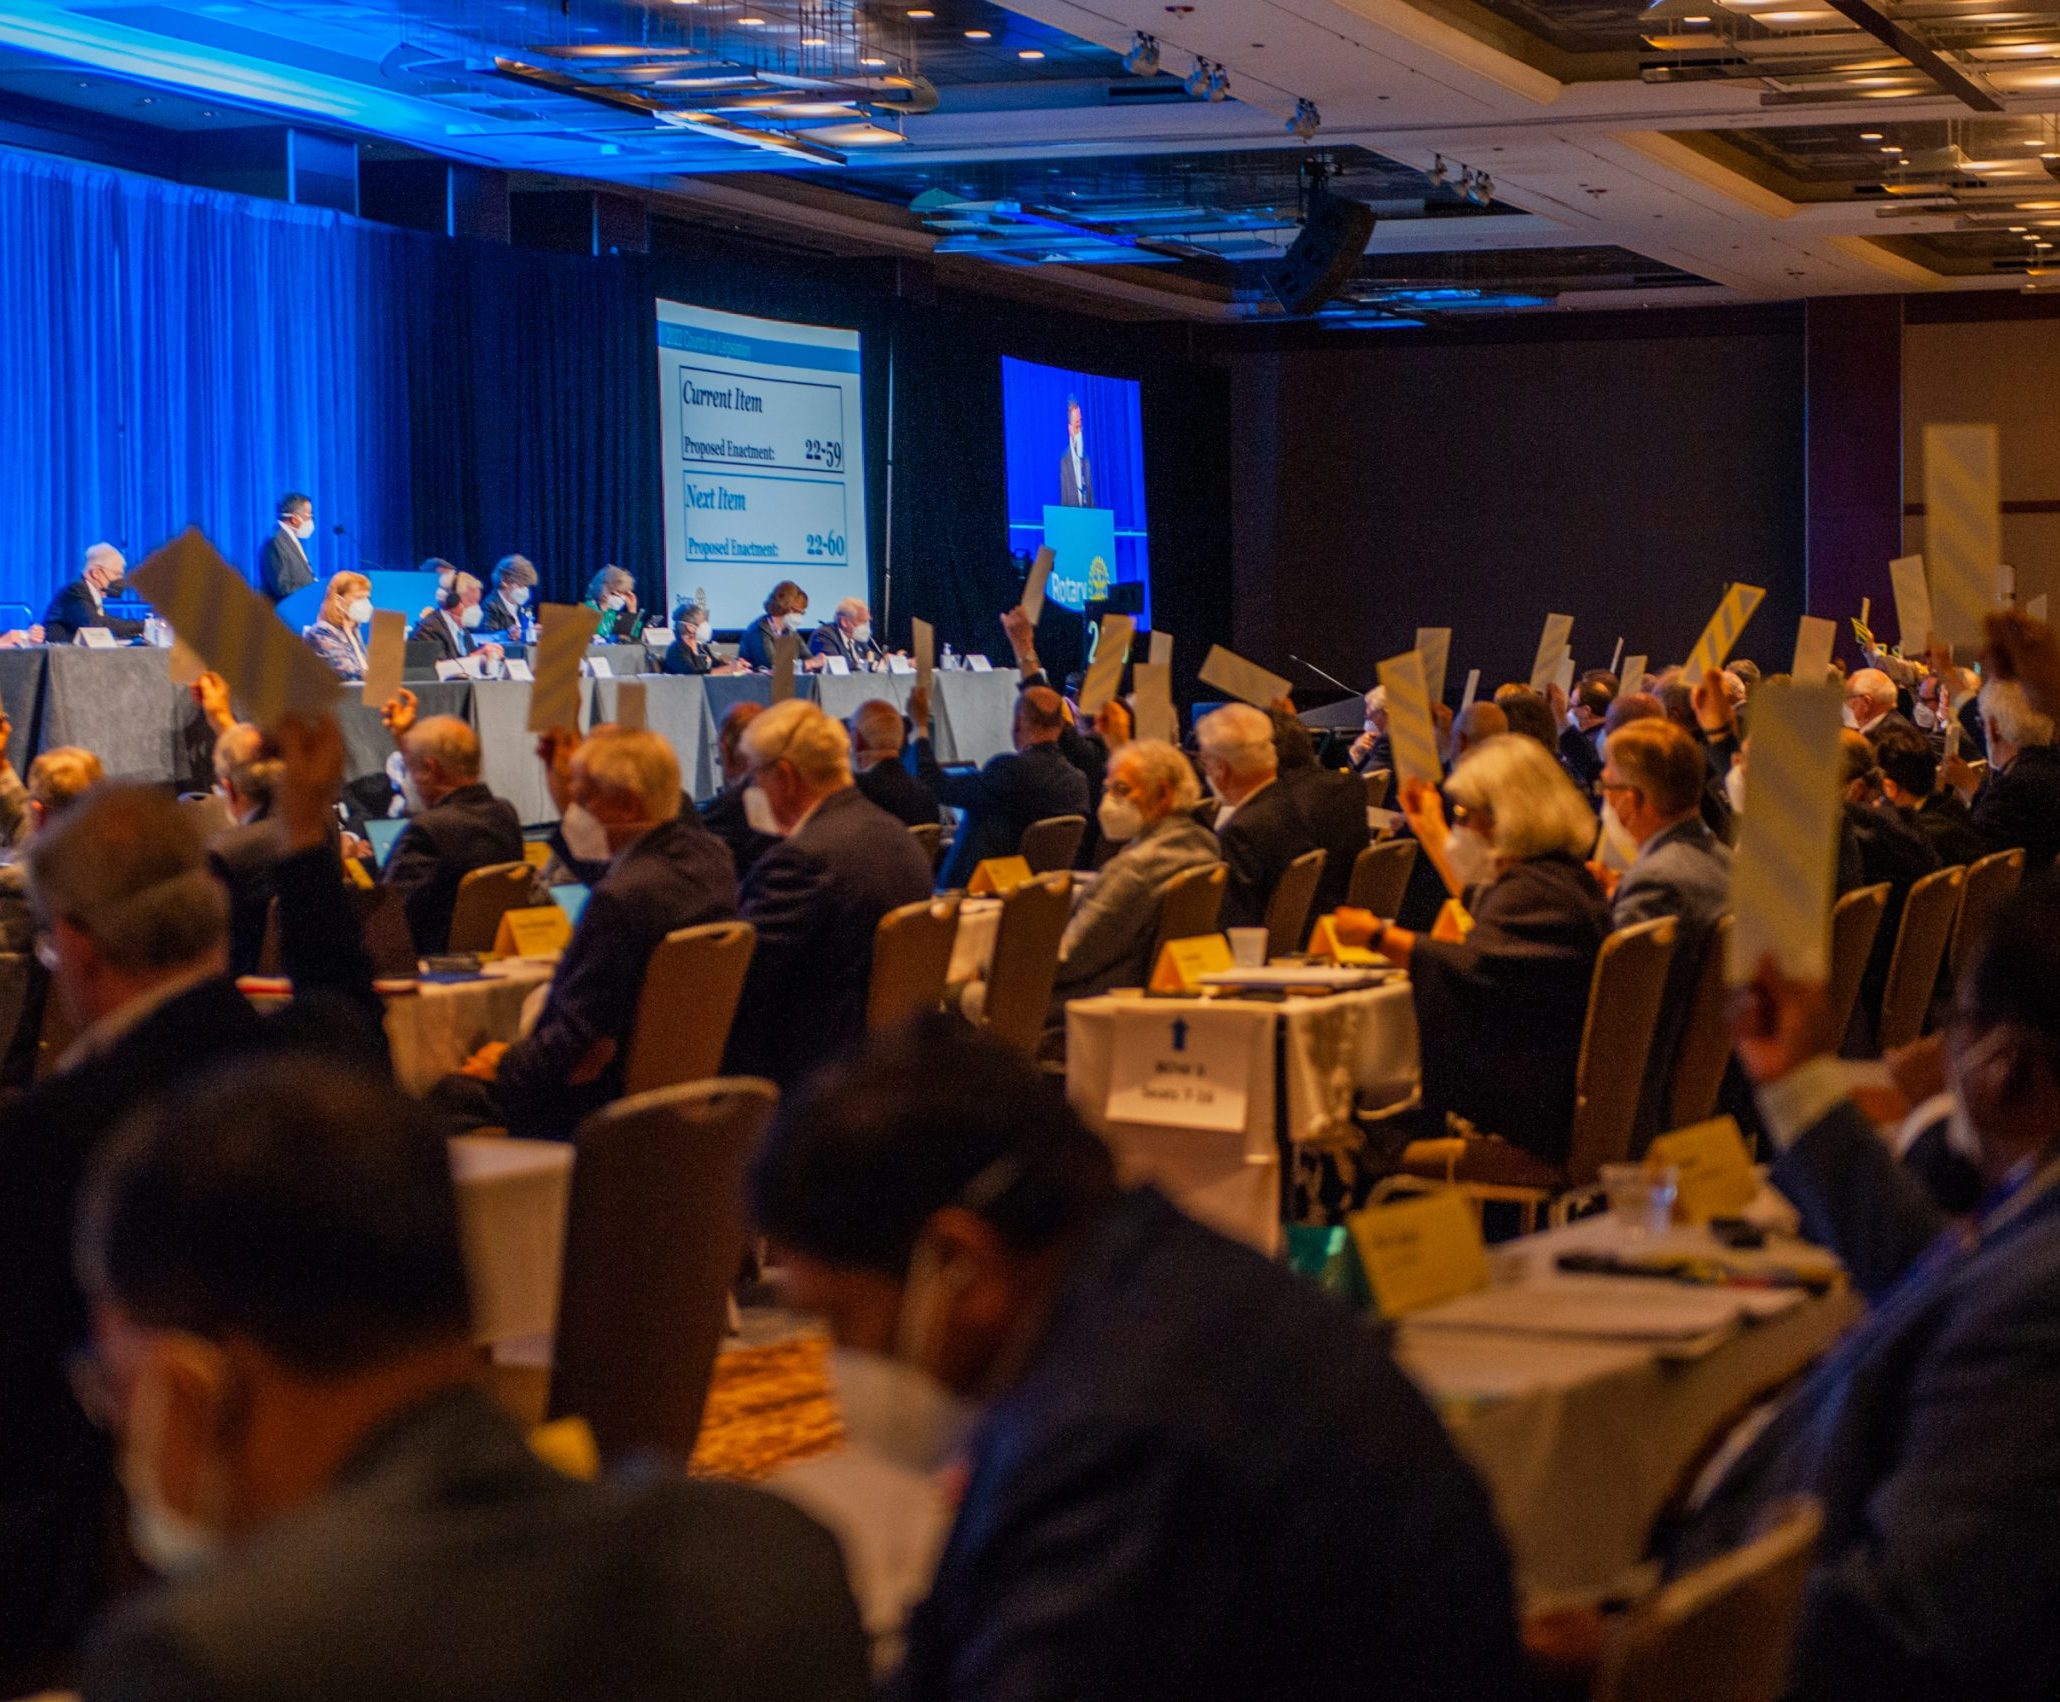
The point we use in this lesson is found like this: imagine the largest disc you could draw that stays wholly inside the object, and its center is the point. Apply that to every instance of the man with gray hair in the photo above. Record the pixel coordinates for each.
(848, 637)
(2019, 801)
(81, 603)
(455, 825)
(1870, 697)
(514, 591)
(1259, 824)
(840, 864)
(133, 929)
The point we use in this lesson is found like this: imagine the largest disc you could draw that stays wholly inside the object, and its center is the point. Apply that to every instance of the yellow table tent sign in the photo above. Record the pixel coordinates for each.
(1421, 1251)
(1183, 963)
(536, 931)
(1716, 1177)
(998, 876)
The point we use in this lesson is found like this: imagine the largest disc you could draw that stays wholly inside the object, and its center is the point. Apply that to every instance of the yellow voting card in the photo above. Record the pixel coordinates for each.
(1183, 963)
(1713, 648)
(533, 932)
(997, 876)
(1324, 943)
(1715, 1170)
(1419, 1252)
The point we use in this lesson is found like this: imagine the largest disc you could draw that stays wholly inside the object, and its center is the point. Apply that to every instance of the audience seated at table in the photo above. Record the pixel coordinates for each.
(1266, 819)
(242, 854)
(136, 931)
(786, 606)
(1932, 1433)
(618, 793)
(1500, 1013)
(1147, 815)
(729, 815)
(1184, 1473)
(1372, 748)
(1652, 778)
(691, 651)
(1010, 791)
(455, 623)
(346, 606)
(878, 733)
(613, 592)
(1330, 804)
(514, 593)
(839, 865)
(1875, 846)
(1909, 783)
(2017, 803)
(847, 636)
(455, 825)
(82, 603)
(282, 1334)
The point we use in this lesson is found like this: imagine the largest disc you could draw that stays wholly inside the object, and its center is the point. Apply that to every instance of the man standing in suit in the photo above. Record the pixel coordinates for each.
(840, 864)
(80, 604)
(1182, 1472)
(1932, 1433)
(455, 825)
(1014, 789)
(282, 1316)
(618, 794)
(283, 566)
(1076, 472)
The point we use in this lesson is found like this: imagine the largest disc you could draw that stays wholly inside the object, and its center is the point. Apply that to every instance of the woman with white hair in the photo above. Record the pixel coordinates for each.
(1145, 809)
(1501, 1012)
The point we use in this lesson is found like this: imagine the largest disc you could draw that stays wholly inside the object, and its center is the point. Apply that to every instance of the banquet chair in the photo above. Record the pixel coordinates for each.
(1723, 1632)
(1920, 947)
(1287, 912)
(1705, 1046)
(688, 1002)
(1189, 904)
(1052, 843)
(653, 1234)
(484, 897)
(911, 959)
(1855, 920)
(1380, 876)
(1990, 881)
(1378, 781)
(929, 835)
(1026, 959)
(1624, 994)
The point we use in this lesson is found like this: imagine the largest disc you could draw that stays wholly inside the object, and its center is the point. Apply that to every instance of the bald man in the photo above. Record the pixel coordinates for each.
(1018, 787)
(1870, 698)
(455, 825)
(81, 603)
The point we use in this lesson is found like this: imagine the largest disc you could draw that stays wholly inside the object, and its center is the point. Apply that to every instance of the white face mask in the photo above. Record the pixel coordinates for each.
(758, 812)
(705, 631)
(585, 835)
(360, 610)
(469, 618)
(1120, 818)
(862, 633)
(514, 595)
(1734, 786)
(301, 529)
(1471, 857)
(1923, 716)
(613, 601)
(898, 1410)
(168, 1542)
(411, 795)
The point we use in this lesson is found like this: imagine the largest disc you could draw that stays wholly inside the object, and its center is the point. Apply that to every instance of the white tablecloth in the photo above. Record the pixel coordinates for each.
(1582, 1442)
(434, 1029)
(512, 1197)
(1363, 1041)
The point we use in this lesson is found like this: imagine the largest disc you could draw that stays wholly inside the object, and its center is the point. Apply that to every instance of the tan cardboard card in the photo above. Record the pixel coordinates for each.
(1105, 672)
(629, 705)
(785, 657)
(1912, 604)
(385, 656)
(564, 630)
(1963, 544)
(923, 642)
(1411, 731)
(1034, 586)
(1152, 684)
(1161, 655)
(1557, 637)
(1787, 858)
(1246, 681)
(1814, 639)
(1434, 645)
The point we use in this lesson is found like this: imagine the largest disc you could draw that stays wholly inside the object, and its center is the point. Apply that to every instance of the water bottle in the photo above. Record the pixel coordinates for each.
(949, 661)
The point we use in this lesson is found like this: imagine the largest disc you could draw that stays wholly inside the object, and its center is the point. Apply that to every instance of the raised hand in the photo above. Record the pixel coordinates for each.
(1779, 1024)
(398, 712)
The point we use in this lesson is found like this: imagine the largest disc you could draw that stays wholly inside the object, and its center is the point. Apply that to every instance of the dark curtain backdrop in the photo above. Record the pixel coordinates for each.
(170, 355)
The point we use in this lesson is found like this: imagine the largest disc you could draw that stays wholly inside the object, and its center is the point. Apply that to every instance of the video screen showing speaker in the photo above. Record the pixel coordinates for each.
(1075, 448)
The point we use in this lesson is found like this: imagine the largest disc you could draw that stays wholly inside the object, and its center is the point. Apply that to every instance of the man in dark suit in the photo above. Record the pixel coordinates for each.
(848, 637)
(136, 929)
(728, 815)
(619, 795)
(1909, 782)
(1076, 471)
(1330, 804)
(1185, 1473)
(455, 825)
(2018, 803)
(1580, 740)
(1870, 704)
(1268, 819)
(81, 603)
(816, 897)
(1013, 790)
(1932, 1433)
(502, 614)
(283, 566)
(877, 735)
(456, 621)
(280, 1301)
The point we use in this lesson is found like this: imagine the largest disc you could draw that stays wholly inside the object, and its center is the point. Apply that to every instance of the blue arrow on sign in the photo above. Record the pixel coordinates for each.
(1180, 1034)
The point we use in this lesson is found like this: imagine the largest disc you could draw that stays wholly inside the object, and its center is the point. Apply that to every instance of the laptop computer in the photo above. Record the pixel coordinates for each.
(572, 899)
(382, 831)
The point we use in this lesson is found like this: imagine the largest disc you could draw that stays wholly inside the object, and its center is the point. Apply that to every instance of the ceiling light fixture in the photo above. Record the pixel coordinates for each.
(1029, 53)
(1219, 83)
(1305, 121)
(1870, 135)
(1440, 173)
(921, 12)
(979, 35)
(1197, 80)
(1143, 58)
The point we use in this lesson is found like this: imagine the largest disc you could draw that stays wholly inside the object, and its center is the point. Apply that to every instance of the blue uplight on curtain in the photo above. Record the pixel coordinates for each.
(174, 356)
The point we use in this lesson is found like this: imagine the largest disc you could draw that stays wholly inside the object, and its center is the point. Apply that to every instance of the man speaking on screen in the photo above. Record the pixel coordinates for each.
(1076, 472)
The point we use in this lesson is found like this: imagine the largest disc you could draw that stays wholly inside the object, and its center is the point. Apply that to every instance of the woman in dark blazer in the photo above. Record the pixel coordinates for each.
(1500, 1013)
(785, 606)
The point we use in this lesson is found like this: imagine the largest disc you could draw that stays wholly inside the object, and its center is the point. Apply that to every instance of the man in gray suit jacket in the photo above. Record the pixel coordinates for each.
(283, 1333)
(1652, 777)
(1932, 1433)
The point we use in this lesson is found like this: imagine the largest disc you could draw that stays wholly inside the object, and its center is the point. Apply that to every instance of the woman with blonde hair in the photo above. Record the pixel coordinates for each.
(1501, 1013)
(334, 637)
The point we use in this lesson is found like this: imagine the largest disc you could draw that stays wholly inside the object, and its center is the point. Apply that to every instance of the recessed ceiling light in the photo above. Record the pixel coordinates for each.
(752, 23)
(921, 12)
(1891, 149)
(872, 62)
(2020, 230)
(813, 41)
(1695, 20)
(1029, 53)
(1870, 135)
(979, 35)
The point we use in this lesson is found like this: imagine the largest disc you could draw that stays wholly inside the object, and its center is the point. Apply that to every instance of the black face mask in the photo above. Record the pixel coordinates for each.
(115, 588)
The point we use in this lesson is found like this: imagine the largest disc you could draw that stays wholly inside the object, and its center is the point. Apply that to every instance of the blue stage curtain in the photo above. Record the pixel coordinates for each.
(173, 356)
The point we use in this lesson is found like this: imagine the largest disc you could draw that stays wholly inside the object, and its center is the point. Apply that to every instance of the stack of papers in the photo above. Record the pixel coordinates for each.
(1629, 1309)
(1300, 977)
